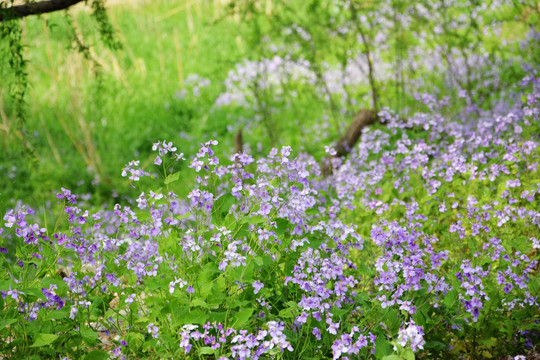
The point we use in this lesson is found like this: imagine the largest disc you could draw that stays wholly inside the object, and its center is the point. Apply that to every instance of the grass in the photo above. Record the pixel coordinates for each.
(99, 113)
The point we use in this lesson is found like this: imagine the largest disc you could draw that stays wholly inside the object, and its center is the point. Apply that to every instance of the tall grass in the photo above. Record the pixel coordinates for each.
(97, 112)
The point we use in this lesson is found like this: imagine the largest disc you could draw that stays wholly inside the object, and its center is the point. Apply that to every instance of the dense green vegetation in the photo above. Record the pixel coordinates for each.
(82, 106)
(131, 229)
(81, 111)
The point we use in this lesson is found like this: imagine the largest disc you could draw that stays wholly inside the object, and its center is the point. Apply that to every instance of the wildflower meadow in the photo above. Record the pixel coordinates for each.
(420, 241)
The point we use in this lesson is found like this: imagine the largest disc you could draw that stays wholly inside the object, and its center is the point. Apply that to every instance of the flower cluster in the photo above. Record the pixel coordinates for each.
(243, 344)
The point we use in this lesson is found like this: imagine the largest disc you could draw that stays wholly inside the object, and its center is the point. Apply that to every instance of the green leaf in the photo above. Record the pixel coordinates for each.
(258, 260)
(206, 289)
(221, 283)
(242, 231)
(382, 347)
(436, 345)
(450, 298)
(206, 350)
(44, 340)
(171, 178)
(89, 336)
(182, 217)
(242, 317)
(256, 219)
(199, 302)
(196, 317)
(283, 226)
(486, 354)
(286, 313)
(34, 292)
(205, 279)
(409, 354)
(97, 355)
(218, 316)
(520, 243)
(488, 342)
(392, 320)
(150, 345)
(57, 314)
(221, 207)
(135, 339)
(156, 283)
(391, 357)
(5, 323)
(364, 269)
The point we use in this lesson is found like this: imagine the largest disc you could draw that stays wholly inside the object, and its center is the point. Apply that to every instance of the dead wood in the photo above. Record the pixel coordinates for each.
(344, 146)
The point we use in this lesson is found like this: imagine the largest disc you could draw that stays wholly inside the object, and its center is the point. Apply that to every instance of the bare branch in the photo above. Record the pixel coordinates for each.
(35, 8)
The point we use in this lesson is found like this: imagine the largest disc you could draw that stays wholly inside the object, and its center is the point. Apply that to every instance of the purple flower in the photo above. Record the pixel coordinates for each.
(66, 194)
(130, 299)
(73, 312)
(133, 171)
(257, 286)
(153, 330)
(317, 333)
(332, 326)
(513, 183)
(10, 219)
(412, 334)
(163, 147)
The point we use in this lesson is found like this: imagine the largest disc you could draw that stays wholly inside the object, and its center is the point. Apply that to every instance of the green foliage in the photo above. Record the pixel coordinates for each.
(128, 98)
(12, 53)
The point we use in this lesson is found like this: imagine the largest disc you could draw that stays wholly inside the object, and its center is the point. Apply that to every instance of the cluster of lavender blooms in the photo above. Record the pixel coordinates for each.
(263, 75)
(408, 263)
(272, 74)
(428, 217)
(245, 345)
(193, 84)
(344, 81)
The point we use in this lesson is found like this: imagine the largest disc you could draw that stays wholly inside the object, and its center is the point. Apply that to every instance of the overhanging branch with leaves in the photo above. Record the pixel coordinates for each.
(34, 8)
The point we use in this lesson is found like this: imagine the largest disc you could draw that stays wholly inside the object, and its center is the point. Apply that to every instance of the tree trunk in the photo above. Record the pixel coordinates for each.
(238, 142)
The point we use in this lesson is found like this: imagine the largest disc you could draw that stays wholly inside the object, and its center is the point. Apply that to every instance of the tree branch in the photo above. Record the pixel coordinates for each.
(345, 145)
(35, 8)
(362, 119)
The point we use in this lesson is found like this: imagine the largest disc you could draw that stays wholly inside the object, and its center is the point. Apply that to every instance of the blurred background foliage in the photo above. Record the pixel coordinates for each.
(82, 95)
